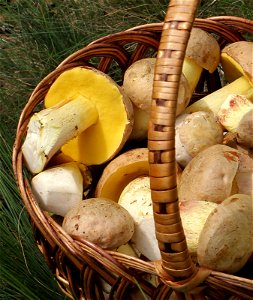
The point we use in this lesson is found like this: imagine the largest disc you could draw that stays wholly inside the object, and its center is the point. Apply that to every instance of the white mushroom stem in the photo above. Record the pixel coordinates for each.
(59, 188)
(51, 128)
(213, 101)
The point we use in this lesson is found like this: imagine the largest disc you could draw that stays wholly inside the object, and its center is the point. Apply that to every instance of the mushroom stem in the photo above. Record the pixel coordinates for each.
(213, 101)
(192, 72)
(51, 128)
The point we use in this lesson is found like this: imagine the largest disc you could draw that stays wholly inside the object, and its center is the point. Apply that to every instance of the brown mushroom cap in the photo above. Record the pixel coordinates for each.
(225, 243)
(100, 221)
(209, 176)
(236, 60)
(203, 48)
(138, 85)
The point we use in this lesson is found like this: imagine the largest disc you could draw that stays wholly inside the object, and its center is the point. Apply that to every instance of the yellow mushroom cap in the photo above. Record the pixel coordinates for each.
(237, 60)
(101, 141)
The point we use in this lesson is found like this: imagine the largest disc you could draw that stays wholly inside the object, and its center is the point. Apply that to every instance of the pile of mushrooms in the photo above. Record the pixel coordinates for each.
(88, 169)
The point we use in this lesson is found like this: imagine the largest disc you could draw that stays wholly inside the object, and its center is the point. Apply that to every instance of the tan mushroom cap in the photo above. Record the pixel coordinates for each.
(225, 242)
(138, 85)
(237, 60)
(209, 176)
(200, 130)
(100, 221)
(203, 49)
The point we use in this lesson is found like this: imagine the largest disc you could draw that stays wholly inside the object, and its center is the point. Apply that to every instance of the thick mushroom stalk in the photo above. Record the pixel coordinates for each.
(51, 128)
(90, 128)
(212, 102)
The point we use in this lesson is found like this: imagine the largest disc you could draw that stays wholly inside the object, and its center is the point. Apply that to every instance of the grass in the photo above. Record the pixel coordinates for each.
(35, 36)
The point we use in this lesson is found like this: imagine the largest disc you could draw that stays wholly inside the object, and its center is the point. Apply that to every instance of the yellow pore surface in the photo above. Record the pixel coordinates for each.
(117, 181)
(98, 143)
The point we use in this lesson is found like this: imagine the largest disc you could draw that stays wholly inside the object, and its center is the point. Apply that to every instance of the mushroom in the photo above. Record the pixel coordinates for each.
(96, 107)
(236, 59)
(194, 133)
(59, 188)
(120, 171)
(210, 175)
(236, 115)
(225, 243)
(194, 215)
(100, 221)
(140, 126)
(202, 52)
(136, 199)
(138, 85)
(244, 174)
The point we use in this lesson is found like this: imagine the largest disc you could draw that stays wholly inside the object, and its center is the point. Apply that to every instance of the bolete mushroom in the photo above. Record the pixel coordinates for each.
(138, 85)
(120, 171)
(225, 243)
(202, 52)
(90, 128)
(194, 133)
(101, 221)
(237, 62)
(210, 175)
(236, 115)
(59, 188)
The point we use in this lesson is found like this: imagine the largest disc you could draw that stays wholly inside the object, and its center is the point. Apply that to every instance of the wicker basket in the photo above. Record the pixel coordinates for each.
(78, 264)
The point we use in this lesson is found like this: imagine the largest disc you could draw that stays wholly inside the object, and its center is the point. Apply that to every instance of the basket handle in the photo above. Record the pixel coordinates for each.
(175, 259)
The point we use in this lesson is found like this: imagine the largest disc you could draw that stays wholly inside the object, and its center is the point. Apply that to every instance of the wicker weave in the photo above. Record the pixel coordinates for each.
(78, 264)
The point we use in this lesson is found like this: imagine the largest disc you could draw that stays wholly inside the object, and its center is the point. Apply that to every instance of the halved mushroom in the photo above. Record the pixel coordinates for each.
(237, 59)
(90, 128)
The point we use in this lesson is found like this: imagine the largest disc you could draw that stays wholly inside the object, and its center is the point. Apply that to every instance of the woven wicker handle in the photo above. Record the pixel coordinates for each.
(161, 138)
